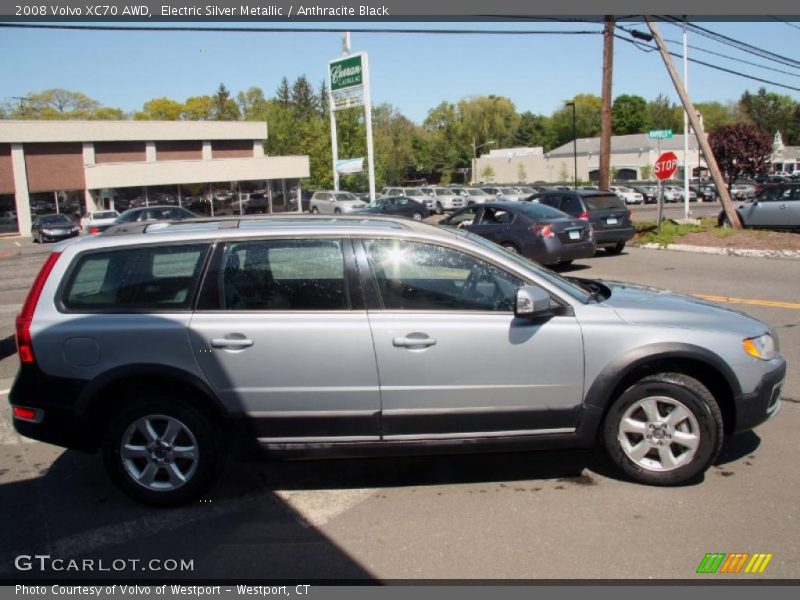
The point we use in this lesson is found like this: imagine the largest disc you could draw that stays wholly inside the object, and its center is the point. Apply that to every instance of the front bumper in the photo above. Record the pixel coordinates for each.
(755, 407)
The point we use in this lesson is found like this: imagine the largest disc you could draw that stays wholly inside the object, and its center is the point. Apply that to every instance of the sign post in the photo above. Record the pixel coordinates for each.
(348, 81)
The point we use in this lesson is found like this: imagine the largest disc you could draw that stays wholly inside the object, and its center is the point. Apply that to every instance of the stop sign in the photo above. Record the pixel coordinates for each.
(666, 165)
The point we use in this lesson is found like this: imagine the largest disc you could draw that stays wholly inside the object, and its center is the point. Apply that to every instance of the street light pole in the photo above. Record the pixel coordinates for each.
(574, 141)
(475, 155)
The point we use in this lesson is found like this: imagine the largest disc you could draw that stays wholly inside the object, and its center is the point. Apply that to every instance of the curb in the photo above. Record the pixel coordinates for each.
(746, 252)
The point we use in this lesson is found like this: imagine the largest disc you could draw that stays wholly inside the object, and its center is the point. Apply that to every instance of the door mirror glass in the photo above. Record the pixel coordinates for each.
(531, 301)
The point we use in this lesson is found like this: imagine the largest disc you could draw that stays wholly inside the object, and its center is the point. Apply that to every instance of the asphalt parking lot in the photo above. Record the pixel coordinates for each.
(539, 515)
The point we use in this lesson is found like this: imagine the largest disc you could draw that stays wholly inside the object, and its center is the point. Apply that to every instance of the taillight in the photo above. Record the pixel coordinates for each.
(25, 317)
(543, 231)
(26, 414)
(94, 230)
(584, 215)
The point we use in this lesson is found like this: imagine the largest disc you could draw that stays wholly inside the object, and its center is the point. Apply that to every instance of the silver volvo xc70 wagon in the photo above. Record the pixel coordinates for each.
(170, 346)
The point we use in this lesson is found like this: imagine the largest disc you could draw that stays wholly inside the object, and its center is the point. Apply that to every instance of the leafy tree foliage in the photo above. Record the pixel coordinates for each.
(741, 150)
(629, 115)
(772, 112)
(223, 107)
(160, 109)
(665, 114)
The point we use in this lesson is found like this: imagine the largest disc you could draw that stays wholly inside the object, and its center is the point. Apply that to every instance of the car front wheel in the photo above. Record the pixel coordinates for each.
(417, 216)
(664, 430)
(616, 248)
(163, 452)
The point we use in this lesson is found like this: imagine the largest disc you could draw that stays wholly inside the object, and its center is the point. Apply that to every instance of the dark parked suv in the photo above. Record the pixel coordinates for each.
(607, 213)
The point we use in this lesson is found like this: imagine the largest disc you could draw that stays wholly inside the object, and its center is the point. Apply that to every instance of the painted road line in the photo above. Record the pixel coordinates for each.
(750, 301)
(4, 392)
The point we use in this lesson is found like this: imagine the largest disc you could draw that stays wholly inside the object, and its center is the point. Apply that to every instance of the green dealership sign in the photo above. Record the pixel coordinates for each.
(346, 73)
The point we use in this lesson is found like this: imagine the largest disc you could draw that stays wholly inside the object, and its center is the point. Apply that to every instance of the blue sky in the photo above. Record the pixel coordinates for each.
(412, 72)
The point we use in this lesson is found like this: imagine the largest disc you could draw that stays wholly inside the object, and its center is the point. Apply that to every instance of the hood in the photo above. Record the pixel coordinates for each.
(640, 305)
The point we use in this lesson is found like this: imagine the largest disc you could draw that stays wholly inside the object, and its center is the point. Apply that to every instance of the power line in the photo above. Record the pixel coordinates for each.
(646, 48)
(789, 23)
(741, 60)
(339, 30)
(739, 45)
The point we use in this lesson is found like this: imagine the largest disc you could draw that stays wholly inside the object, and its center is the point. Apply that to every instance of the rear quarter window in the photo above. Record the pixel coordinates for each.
(162, 278)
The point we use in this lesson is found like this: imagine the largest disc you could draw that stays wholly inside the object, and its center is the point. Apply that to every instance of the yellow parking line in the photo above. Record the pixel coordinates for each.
(750, 301)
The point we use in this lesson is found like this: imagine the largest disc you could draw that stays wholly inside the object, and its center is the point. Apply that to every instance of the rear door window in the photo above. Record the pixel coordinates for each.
(162, 278)
(284, 275)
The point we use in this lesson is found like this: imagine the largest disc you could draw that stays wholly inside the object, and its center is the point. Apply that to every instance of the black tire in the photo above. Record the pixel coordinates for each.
(616, 248)
(36, 238)
(439, 208)
(314, 210)
(511, 247)
(707, 426)
(417, 216)
(337, 211)
(208, 441)
(725, 223)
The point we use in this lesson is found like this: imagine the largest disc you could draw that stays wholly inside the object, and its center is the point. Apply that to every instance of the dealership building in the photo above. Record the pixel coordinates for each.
(632, 158)
(81, 166)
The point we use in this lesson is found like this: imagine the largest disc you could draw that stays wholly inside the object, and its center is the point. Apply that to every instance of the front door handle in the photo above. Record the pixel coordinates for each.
(414, 341)
(231, 343)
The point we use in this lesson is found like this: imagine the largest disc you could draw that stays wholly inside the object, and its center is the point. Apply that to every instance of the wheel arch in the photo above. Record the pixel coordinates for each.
(113, 390)
(697, 362)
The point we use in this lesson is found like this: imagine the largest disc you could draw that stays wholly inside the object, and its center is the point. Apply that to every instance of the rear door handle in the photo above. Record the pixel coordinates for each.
(231, 343)
(413, 342)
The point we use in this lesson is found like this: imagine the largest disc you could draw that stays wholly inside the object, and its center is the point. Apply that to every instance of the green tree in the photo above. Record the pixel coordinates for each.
(283, 94)
(303, 100)
(715, 114)
(487, 118)
(531, 131)
(487, 173)
(324, 99)
(198, 108)
(223, 107)
(394, 145)
(772, 112)
(665, 114)
(159, 109)
(59, 104)
(588, 109)
(445, 141)
(629, 115)
(252, 104)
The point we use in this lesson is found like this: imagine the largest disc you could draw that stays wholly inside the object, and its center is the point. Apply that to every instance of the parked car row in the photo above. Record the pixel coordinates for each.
(774, 207)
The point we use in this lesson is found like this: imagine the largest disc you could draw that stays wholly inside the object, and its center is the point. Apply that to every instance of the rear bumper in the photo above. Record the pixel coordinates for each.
(754, 408)
(57, 398)
(613, 236)
(556, 251)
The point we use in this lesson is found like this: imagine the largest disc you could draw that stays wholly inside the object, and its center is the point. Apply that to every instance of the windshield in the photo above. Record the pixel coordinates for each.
(603, 202)
(577, 292)
(415, 193)
(474, 192)
(107, 214)
(55, 220)
(344, 197)
(508, 191)
(444, 192)
(624, 189)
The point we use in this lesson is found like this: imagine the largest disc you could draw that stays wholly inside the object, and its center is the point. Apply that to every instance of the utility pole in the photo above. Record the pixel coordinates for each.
(605, 130)
(688, 107)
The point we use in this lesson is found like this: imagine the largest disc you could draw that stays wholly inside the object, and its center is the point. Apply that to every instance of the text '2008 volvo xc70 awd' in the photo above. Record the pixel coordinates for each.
(167, 346)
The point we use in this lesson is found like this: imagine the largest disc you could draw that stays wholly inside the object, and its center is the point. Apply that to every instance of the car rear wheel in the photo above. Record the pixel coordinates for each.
(664, 430)
(337, 211)
(616, 248)
(439, 208)
(417, 216)
(314, 210)
(163, 452)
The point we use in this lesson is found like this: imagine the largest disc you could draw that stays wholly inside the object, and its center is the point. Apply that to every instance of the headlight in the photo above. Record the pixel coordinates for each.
(762, 347)
(48, 231)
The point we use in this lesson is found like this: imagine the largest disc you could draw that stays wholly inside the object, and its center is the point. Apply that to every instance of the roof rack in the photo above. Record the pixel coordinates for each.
(252, 222)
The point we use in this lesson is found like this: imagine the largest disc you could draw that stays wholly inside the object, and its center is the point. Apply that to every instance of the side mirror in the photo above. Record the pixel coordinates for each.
(531, 301)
